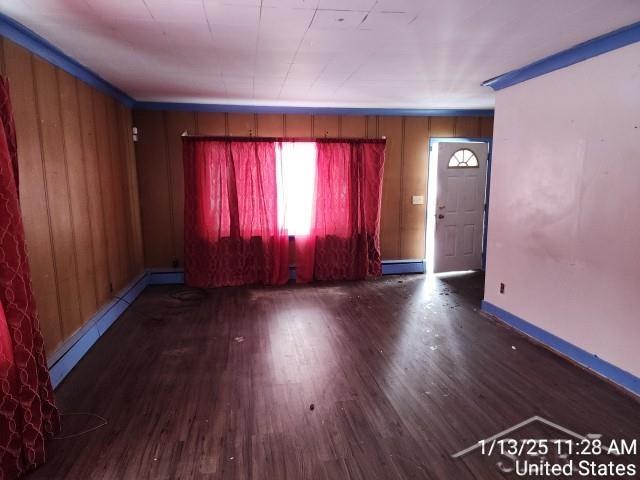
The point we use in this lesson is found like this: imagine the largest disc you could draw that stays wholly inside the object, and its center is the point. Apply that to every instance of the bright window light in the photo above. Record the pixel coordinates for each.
(296, 171)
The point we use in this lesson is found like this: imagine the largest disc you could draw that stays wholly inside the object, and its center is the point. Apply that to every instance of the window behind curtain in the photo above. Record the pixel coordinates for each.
(296, 180)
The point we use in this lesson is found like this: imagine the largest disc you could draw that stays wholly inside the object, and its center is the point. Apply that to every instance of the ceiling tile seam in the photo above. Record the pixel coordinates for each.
(295, 55)
(221, 74)
(357, 68)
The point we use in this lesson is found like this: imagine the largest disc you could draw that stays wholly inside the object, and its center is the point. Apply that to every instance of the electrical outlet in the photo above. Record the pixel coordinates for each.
(501, 287)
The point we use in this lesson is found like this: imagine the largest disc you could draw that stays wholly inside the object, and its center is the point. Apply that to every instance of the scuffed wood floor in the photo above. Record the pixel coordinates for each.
(401, 372)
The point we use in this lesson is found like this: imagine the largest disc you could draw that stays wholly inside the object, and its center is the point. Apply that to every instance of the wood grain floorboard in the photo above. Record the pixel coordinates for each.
(402, 372)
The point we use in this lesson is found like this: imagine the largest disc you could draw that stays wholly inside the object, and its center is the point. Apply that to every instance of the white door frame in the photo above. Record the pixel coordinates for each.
(432, 193)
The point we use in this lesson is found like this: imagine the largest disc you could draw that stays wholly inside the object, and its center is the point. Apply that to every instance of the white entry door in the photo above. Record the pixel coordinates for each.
(460, 198)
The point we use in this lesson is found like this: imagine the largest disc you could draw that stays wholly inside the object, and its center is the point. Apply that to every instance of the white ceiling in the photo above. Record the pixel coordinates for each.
(340, 53)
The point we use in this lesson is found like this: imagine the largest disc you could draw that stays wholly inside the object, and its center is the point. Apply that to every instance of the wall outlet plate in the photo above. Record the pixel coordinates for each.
(417, 200)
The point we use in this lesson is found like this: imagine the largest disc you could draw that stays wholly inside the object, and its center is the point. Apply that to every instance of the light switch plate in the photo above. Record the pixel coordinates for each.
(417, 200)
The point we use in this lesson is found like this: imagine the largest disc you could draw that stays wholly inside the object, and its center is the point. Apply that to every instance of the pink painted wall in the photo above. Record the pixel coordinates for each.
(564, 217)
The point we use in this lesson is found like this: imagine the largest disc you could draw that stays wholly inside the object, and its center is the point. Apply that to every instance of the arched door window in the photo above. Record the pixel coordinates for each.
(463, 158)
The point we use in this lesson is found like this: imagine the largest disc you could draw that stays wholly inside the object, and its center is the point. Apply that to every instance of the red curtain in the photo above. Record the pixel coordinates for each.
(27, 410)
(344, 243)
(232, 236)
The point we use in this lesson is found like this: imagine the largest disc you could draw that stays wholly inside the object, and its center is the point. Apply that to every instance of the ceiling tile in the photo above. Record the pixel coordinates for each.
(232, 15)
(54, 7)
(336, 20)
(296, 20)
(387, 20)
(182, 11)
(120, 9)
(406, 6)
(355, 5)
(394, 53)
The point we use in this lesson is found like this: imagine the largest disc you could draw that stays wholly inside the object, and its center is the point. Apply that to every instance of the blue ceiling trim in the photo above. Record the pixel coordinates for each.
(433, 140)
(408, 112)
(583, 51)
(33, 42)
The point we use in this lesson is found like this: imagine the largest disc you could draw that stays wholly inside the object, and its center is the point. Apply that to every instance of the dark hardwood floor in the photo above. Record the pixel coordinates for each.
(366, 380)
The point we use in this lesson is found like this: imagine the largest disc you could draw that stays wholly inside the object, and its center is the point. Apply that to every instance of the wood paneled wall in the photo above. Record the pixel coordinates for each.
(402, 236)
(78, 191)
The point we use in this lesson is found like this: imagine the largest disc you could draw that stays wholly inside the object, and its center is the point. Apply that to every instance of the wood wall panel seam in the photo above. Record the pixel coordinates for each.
(59, 202)
(113, 245)
(116, 186)
(74, 237)
(98, 225)
(32, 198)
(46, 194)
(125, 189)
(101, 194)
(170, 185)
(134, 193)
(400, 210)
(89, 217)
(118, 198)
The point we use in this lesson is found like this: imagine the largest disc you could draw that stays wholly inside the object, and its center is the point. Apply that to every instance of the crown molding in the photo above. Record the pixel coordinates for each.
(583, 51)
(18, 33)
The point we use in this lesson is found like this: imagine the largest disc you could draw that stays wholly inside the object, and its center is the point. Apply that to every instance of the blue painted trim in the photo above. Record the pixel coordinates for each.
(18, 33)
(583, 51)
(433, 140)
(584, 358)
(66, 357)
(408, 112)
(391, 267)
(168, 277)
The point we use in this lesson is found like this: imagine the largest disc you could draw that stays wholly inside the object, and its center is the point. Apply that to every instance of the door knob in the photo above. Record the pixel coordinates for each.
(440, 216)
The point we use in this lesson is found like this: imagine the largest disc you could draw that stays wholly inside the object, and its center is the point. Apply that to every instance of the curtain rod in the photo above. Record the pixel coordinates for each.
(250, 138)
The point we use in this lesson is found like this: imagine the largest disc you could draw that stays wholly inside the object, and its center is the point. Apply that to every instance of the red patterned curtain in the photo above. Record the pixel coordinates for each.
(344, 243)
(232, 236)
(27, 410)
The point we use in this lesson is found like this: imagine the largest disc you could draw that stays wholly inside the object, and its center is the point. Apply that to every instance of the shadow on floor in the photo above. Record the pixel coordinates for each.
(468, 285)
